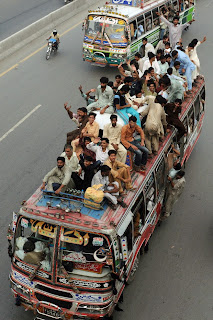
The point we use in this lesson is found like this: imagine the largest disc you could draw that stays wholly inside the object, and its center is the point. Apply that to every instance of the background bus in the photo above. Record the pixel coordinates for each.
(115, 32)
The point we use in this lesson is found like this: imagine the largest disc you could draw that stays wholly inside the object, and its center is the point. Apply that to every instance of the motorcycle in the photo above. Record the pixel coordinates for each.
(51, 47)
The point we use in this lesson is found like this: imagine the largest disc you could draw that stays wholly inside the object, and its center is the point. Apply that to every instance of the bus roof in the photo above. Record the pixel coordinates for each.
(104, 220)
(126, 11)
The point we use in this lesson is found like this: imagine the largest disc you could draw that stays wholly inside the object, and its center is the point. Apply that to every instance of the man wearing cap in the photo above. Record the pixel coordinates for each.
(58, 178)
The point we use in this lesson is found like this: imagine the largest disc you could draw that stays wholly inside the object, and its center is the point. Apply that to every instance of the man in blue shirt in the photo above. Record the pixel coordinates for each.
(186, 65)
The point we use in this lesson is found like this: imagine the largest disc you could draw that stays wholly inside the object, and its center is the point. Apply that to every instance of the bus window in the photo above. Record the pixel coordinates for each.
(150, 194)
(138, 211)
(191, 121)
(181, 5)
(141, 29)
(156, 20)
(129, 236)
(133, 31)
(148, 21)
(174, 5)
(160, 176)
(197, 109)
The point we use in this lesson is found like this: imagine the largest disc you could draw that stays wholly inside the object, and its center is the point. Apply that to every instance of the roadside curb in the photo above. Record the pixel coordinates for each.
(23, 37)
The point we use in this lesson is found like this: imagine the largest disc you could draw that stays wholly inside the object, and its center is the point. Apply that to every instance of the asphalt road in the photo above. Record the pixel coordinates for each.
(175, 278)
(18, 14)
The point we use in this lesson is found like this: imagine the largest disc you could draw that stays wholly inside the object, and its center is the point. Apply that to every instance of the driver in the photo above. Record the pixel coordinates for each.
(55, 35)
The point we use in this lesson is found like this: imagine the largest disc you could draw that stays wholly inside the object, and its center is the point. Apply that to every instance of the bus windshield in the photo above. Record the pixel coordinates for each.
(108, 28)
(34, 243)
(84, 251)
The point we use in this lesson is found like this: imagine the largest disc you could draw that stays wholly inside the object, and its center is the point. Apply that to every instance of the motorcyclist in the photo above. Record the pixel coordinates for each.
(55, 35)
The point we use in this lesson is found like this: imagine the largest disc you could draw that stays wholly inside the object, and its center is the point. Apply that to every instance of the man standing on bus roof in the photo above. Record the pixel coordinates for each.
(186, 65)
(175, 29)
(127, 138)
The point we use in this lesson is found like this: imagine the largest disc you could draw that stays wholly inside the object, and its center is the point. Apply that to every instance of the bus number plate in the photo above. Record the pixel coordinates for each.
(52, 313)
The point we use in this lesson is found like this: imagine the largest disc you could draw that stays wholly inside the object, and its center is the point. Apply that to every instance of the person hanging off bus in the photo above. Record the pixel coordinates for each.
(138, 147)
(173, 110)
(174, 192)
(146, 47)
(175, 29)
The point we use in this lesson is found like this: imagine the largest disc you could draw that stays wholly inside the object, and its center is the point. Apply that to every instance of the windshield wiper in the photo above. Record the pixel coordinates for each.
(107, 37)
(95, 37)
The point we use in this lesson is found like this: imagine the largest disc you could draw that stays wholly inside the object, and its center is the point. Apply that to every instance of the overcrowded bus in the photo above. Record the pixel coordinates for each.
(115, 31)
(88, 252)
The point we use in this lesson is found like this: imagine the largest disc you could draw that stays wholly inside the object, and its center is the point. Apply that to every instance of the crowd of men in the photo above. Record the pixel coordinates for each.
(146, 95)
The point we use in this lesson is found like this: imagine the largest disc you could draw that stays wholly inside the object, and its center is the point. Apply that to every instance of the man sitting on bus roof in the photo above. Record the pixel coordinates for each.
(84, 177)
(58, 178)
(120, 172)
(104, 98)
(123, 108)
(100, 151)
(127, 139)
(111, 190)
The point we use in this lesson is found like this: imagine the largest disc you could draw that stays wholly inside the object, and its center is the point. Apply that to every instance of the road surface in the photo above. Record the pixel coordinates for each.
(18, 14)
(175, 278)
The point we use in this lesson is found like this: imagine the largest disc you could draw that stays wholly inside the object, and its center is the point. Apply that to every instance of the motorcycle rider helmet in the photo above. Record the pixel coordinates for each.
(55, 32)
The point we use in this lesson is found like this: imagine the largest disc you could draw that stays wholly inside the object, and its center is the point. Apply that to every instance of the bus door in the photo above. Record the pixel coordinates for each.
(140, 33)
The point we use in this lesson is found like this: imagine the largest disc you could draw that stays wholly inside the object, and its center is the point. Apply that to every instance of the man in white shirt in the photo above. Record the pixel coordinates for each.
(151, 62)
(112, 131)
(161, 43)
(148, 47)
(100, 151)
(111, 190)
(71, 159)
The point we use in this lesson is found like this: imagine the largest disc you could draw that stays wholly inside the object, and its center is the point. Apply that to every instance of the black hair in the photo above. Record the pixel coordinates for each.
(181, 173)
(83, 109)
(125, 88)
(61, 159)
(128, 79)
(104, 80)
(112, 152)
(167, 44)
(150, 69)
(138, 55)
(145, 39)
(169, 71)
(159, 51)
(175, 18)
(174, 53)
(113, 116)
(177, 166)
(110, 84)
(150, 82)
(29, 246)
(178, 101)
(192, 45)
(87, 139)
(137, 90)
(176, 63)
(168, 56)
(133, 119)
(92, 114)
(105, 139)
(162, 57)
(118, 76)
(166, 80)
(165, 36)
(88, 158)
(105, 168)
(160, 99)
(151, 55)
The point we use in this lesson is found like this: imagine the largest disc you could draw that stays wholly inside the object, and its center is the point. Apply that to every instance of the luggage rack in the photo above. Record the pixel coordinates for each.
(69, 202)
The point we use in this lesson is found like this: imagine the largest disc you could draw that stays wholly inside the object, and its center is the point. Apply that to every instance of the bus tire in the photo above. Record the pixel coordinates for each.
(134, 269)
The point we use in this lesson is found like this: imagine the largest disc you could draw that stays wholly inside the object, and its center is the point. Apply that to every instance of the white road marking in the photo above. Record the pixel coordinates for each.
(20, 122)
(208, 4)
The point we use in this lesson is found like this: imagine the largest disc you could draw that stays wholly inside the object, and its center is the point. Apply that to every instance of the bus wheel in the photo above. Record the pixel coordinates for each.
(134, 269)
